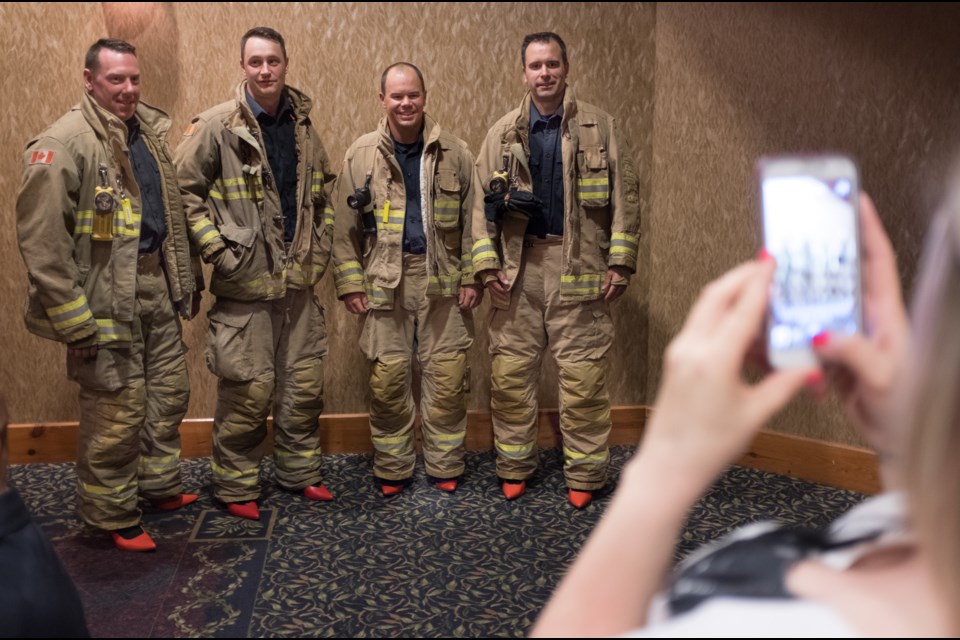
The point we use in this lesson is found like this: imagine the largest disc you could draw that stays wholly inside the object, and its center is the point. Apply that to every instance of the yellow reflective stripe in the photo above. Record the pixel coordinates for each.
(317, 184)
(80, 301)
(157, 464)
(304, 274)
(310, 453)
(84, 221)
(593, 188)
(466, 261)
(393, 222)
(515, 451)
(247, 476)
(449, 441)
(575, 458)
(113, 495)
(296, 459)
(311, 268)
(328, 216)
(348, 272)
(623, 244)
(440, 285)
(70, 314)
(373, 291)
(203, 231)
(132, 229)
(484, 249)
(588, 283)
(107, 332)
(446, 210)
(392, 444)
(236, 189)
(267, 284)
(626, 239)
(348, 266)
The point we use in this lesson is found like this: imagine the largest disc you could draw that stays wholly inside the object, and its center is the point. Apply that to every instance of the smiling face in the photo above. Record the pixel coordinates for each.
(403, 99)
(265, 68)
(545, 74)
(115, 83)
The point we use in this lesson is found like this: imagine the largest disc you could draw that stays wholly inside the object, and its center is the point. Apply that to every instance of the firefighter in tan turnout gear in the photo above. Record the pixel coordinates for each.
(556, 237)
(255, 183)
(401, 259)
(103, 236)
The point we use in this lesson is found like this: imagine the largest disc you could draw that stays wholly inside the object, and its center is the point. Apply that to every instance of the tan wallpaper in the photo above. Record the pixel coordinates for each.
(732, 82)
(189, 56)
(881, 83)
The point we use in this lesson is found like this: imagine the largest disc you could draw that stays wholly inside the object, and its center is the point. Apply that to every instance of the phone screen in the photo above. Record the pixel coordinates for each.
(810, 227)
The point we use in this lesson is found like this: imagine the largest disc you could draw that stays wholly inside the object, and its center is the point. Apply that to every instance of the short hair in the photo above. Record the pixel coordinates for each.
(92, 59)
(383, 76)
(267, 34)
(544, 37)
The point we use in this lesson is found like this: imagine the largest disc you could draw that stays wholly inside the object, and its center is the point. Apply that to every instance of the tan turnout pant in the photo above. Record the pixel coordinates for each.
(267, 354)
(132, 401)
(438, 333)
(579, 335)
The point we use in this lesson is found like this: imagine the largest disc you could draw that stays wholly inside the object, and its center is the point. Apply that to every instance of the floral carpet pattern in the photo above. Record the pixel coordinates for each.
(421, 564)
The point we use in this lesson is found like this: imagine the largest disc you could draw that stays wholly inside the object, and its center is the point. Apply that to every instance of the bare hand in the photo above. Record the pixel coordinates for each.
(356, 303)
(868, 370)
(498, 285)
(615, 284)
(470, 296)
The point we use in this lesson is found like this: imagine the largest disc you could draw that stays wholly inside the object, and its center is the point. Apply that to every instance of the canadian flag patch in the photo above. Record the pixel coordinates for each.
(42, 157)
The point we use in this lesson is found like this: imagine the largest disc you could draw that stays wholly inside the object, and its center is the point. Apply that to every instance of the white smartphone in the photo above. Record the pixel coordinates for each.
(810, 219)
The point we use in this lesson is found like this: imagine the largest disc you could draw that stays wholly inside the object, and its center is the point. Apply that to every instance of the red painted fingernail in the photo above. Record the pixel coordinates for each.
(813, 378)
(764, 255)
(821, 339)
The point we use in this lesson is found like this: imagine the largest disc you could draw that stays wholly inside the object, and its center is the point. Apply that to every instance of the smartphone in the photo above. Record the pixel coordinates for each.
(810, 220)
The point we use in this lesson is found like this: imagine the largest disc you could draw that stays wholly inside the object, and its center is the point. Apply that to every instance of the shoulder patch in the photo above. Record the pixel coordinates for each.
(41, 156)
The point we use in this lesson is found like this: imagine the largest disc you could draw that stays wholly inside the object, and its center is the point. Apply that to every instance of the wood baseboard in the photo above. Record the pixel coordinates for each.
(813, 460)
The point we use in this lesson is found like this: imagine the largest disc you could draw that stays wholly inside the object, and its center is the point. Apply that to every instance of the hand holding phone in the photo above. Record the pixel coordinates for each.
(810, 225)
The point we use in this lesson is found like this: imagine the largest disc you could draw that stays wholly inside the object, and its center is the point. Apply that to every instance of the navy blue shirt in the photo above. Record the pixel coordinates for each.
(153, 223)
(408, 157)
(279, 137)
(546, 169)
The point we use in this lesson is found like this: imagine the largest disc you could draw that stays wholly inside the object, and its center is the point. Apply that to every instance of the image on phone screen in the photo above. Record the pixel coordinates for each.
(810, 227)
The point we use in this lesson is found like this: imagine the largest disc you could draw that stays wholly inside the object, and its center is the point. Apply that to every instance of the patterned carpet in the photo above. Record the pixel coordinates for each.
(421, 564)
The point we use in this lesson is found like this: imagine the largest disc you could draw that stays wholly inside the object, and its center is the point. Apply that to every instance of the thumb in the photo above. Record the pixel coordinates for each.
(775, 391)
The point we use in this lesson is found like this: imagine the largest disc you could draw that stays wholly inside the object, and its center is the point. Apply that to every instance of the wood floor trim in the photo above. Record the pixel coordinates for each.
(813, 460)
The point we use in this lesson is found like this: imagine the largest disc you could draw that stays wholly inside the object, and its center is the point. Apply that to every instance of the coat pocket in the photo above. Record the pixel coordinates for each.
(446, 200)
(593, 173)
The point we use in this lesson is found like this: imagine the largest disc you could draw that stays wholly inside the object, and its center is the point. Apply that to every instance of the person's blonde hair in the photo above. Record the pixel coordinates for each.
(932, 464)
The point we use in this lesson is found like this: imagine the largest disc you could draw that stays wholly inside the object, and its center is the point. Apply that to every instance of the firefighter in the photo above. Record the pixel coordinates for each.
(556, 232)
(255, 183)
(104, 239)
(402, 260)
